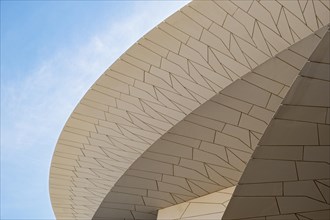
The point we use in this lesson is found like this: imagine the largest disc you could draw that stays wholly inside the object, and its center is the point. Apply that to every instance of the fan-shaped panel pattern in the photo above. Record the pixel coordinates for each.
(171, 71)
(208, 150)
(289, 172)
(269, 188)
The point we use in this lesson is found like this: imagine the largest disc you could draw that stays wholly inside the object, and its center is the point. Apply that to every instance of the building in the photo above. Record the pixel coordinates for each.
(221, 111)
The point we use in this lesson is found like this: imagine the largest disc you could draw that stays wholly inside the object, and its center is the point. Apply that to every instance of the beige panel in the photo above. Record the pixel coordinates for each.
(208, 150)
(164, 77)
(289, 172)
(206, 207)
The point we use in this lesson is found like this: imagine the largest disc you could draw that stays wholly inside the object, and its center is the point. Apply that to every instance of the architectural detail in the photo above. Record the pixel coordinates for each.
(208, 150)
(266, 190)
(211, 206)
(179, 114)
(289, 173)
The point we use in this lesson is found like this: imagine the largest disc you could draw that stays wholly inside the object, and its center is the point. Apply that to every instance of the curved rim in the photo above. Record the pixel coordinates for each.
(167, 74)
(209, 149)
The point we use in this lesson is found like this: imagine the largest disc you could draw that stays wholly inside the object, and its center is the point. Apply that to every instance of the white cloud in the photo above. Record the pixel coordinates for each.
(38, 105)
(34, 109)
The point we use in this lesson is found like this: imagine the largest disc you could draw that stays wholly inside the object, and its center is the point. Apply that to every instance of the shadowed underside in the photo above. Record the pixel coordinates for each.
(178, 115)
(288, 175)
(208, 150)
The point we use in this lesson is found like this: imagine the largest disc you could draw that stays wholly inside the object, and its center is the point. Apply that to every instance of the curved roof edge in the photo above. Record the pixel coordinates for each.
(172, 70)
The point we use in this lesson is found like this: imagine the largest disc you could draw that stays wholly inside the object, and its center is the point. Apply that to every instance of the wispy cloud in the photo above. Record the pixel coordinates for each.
(35, 108)
(48, 94)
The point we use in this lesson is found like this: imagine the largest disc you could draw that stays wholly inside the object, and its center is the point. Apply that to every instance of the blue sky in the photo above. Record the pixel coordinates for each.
(51, 53)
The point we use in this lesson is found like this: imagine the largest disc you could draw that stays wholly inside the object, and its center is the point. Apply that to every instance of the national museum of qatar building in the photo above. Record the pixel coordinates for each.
(222, 111)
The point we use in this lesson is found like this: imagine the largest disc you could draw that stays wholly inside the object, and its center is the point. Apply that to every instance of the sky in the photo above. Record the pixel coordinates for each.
(51, 53)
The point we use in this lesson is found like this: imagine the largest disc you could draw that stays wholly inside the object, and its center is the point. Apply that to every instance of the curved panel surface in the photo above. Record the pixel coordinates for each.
(208, 150)
(289, 173)
(171, 71)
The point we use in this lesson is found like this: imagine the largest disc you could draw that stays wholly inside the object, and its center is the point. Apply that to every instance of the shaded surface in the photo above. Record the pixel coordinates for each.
(293, 154)
(166, 75)
(208, 150)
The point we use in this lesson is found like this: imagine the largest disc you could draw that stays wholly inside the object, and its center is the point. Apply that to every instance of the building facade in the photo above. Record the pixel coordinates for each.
(222, 111)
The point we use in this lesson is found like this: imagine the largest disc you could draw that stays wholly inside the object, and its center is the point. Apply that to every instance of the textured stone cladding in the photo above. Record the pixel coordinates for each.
(188, 59)
(208, 150)
(288, 176)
